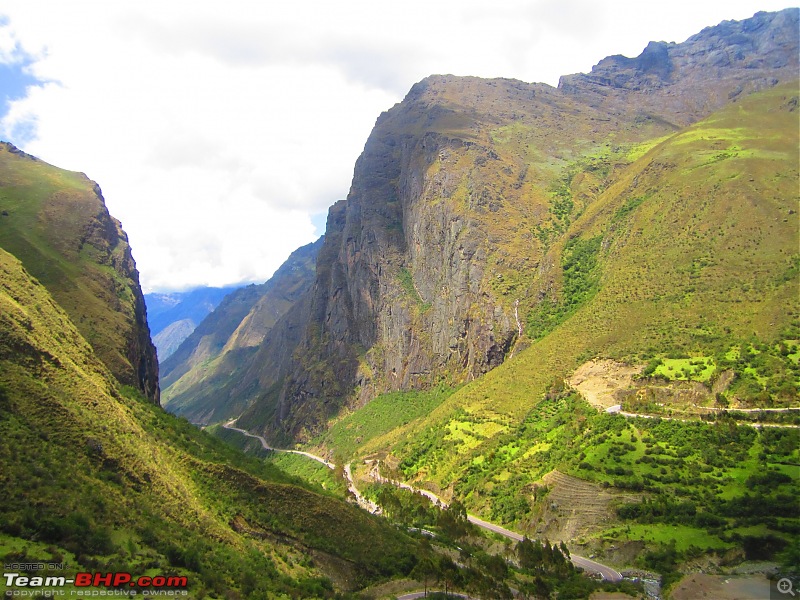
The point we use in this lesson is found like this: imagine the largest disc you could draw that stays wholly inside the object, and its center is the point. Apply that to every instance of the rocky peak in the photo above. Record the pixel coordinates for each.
(66, 238)
(702, 73)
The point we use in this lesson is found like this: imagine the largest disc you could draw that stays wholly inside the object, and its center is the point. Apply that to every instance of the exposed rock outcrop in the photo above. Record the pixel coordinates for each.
(685, 82)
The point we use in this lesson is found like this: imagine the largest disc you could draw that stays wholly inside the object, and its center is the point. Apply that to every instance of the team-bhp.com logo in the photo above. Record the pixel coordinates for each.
(122, 583)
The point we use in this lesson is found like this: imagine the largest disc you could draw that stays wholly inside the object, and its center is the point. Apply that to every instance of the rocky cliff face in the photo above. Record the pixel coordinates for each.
(114, 250)
(431, 265)
(57, 224)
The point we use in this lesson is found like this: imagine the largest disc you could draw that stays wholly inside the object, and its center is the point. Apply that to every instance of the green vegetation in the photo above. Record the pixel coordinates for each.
(407, 283)
(96, 473)
(669, 265)
(530, 566)
(562, 210)
(580, 279)
(384, 414)
(626, 209)
(698, 368)
(758, 374)
(311, 471)
(704, 483)
(56, 223)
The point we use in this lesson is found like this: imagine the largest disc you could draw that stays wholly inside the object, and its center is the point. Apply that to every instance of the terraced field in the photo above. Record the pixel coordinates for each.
(575, 507)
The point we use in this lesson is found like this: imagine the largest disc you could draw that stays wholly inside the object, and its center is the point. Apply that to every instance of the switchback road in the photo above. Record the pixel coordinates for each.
(351, 484)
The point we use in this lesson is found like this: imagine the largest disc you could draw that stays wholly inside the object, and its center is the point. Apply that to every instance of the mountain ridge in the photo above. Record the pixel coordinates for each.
(173, 316)
(228, 340)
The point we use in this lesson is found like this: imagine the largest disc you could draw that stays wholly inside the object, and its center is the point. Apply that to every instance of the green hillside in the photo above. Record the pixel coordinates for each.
(56, 223)
(213, 363)
(103, 480)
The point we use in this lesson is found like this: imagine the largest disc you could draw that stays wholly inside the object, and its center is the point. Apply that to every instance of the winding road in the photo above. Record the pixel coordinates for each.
(363, 502)
(586, 564)
(630, 415)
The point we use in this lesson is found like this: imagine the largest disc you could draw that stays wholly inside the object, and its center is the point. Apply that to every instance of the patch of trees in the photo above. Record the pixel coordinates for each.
(544, 559)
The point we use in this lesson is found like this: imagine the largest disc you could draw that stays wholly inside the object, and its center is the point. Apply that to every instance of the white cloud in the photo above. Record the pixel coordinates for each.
(218, 130)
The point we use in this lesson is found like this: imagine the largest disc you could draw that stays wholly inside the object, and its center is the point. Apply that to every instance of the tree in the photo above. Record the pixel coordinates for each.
(564, 550)
(426, 570)
(449, 573)
(529, 554)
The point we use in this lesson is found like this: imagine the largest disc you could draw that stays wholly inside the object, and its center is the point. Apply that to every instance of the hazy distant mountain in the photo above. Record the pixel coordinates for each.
(173, 316)
(203, 374)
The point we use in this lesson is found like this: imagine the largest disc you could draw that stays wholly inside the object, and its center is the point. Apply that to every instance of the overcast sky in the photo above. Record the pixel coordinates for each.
(221, 132)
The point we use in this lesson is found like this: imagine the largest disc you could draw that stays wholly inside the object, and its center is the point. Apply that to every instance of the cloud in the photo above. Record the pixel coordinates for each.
(219, 131)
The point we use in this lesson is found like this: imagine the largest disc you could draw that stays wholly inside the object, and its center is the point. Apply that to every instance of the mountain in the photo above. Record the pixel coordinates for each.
(197, 378)
(56, 223)
(170, 338)
(173, 316)
(94, 475)
(473, 225)
(514, 261)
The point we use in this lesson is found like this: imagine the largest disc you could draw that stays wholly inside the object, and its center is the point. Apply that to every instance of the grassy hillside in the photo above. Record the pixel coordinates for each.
(684, 252)
(99, 478)
(56, 223)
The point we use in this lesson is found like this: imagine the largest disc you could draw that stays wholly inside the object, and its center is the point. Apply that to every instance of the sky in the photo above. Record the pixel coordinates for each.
(221, 132)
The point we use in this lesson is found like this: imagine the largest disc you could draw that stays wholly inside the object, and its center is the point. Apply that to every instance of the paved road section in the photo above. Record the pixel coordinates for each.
(586, 564)
(415, 595)
(363, 502)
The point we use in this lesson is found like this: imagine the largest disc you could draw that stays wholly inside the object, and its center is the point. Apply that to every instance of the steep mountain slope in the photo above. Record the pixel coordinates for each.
(446, 257)
(682, 274)
(101, 480)
(196, 378)
(56, 223)
(171, 337)
(173, 316)
(691, 251)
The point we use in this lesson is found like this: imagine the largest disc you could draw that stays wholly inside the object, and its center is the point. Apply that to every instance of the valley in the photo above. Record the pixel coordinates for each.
(548, 347)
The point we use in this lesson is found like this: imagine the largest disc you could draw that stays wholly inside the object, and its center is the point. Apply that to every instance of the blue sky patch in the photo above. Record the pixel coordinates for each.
(320, 220)
(13, 81)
